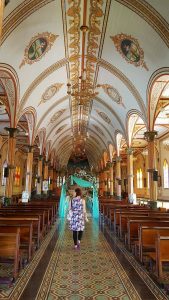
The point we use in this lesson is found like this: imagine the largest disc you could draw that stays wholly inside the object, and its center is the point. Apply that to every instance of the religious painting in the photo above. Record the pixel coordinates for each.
(50, 92)
(130, 49)
(38, 47)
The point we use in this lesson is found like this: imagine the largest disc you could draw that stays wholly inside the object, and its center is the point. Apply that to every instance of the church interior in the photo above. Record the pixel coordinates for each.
(84, 101)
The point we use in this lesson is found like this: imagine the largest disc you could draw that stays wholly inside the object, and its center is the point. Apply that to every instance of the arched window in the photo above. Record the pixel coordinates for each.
(165, 174)
(3, 172)
(139, 179)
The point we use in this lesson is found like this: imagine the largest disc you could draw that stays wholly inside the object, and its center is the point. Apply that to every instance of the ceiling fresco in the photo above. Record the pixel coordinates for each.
(76, 75)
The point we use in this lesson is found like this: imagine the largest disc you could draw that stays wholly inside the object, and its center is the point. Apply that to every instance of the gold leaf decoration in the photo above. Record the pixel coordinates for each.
(38, 47)
(50, 92)
(60, 129)
(112, 93)
(56, 116)
(129, 48)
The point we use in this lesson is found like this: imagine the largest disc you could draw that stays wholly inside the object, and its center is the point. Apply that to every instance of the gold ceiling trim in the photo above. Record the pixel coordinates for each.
(81, 62)
(98, 99)
(116, 72)
(49, 110)
(98, 136)
(56, 125)
(38, 46)
(101, 125)
(150, 15)
(38, 80)
(50, 92)
(19, 14)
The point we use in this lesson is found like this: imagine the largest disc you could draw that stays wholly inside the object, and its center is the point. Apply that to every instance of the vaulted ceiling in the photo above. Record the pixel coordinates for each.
(83, 67)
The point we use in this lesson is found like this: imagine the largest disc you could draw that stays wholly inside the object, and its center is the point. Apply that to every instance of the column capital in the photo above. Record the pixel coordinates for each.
(118, 159)
(12, 131)
(40, 157)
(30, 149)
(129, 151)
(150, 135)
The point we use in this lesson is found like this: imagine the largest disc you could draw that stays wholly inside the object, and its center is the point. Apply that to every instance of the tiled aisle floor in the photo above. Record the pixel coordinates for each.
(102, 269)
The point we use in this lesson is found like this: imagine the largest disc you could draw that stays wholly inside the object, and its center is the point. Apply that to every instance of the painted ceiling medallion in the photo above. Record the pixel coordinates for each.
(56, 116)
(50, 92)
(130, 49)
(104, 116)
(98, 129)
(38, 47)
(112, 93)
(60, 129)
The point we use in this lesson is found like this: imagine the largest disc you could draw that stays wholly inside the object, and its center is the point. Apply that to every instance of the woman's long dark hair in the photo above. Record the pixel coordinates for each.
(78, 192)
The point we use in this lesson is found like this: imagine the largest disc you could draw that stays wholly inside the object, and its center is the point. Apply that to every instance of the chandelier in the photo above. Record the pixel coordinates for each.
(82, 90)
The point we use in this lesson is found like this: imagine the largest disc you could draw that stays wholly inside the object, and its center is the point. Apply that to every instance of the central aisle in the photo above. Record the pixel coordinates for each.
(93, 272)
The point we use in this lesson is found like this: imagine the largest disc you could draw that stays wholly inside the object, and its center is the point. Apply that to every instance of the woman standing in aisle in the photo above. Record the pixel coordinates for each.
(77, 223)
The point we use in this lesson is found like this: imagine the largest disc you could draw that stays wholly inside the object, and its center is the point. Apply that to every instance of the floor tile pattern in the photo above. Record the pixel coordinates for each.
(93, 272)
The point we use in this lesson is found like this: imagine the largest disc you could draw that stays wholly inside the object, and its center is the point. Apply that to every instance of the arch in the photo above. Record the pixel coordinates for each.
(131, 120)
(10, 81)
(155, 87)
(31, 117)
(111, 151)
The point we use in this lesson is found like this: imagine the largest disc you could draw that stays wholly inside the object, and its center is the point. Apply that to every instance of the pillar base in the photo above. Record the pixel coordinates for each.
(118, 197)
(152, 204)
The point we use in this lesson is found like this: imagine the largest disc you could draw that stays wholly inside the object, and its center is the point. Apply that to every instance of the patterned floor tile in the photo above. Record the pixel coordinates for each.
(90, 273)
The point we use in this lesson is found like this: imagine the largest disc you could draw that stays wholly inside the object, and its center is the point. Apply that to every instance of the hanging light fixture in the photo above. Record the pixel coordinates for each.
(82, 90)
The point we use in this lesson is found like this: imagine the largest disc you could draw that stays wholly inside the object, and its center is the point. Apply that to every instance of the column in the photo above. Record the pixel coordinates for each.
(130, 170)
(51, 175)
(39, 179)
(46, 175)
(11, 160)
(111, 181)
(29, 170)
(105, 183)
(152, 163)
(1, 16)
(46, 171)
(54, 179)
(118, 177)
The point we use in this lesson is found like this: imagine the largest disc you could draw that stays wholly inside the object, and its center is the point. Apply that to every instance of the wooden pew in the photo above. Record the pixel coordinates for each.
(18, 219)
(134, 224)
(161, 254)
(147, 238)
(26, 229)
(9, 247)
(37, 214)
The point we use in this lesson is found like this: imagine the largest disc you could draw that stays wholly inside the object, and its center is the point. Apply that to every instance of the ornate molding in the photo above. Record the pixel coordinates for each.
(130, 50)
(129, 151)
(112, 69)
(38, 80)
(38, 46)
(150, 15)
(19, 14)
(112, 93)
(50, 92)
(150, 135)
